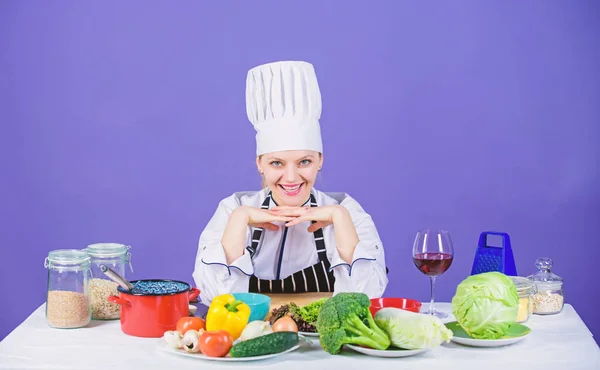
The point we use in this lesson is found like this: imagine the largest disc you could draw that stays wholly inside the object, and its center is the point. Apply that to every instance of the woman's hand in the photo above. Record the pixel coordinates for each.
(234, 235)
(346, 238)
(324, 216)
(263, 218)
(235, 231)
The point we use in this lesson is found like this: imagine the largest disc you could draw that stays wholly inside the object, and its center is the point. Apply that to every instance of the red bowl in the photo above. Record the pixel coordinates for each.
(403, 303)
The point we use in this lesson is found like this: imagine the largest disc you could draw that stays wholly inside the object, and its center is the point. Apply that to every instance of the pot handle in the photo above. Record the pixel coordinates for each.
(118, 300)
(193, 294)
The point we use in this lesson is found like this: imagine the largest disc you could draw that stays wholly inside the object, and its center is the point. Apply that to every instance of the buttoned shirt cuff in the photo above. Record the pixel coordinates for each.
(216, 256)
(363, 253)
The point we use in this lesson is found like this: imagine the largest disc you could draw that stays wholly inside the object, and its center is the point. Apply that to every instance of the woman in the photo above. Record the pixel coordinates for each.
(289, 236)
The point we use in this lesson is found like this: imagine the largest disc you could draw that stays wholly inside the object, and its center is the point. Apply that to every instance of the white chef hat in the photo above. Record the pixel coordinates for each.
(283, 103)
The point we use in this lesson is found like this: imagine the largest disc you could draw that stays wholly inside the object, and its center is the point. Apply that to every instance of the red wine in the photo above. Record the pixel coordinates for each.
(433, 264)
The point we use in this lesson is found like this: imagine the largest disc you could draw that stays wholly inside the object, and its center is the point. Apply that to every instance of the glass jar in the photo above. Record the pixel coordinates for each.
(115, 256)
(526, 291)
(67, 299)
(549, 296)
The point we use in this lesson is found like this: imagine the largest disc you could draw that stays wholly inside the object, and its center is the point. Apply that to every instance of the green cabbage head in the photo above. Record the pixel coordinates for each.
(411, 330)
(486, 305)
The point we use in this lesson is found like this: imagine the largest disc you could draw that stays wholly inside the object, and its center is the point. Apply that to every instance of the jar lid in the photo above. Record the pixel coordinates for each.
(106, 249)
(523, 284)
(544, 278)
(67, 257)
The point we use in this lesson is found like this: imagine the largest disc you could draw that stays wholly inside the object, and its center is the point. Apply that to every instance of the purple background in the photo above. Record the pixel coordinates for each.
(126, 122)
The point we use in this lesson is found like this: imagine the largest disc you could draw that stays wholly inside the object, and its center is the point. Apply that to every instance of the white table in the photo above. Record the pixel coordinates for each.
(556, 342)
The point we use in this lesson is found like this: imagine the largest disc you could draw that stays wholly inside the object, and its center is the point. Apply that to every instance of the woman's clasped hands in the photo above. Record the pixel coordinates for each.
(265, 218)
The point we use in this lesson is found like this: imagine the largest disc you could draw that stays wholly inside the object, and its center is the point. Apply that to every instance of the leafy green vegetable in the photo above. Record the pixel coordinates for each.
(345, 319)
(485, 305)
(310, 312)
(305, 317)
(411, 330)
(279, 312)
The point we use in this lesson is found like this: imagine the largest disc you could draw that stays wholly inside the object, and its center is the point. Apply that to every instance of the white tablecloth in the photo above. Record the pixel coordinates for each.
(556, 342)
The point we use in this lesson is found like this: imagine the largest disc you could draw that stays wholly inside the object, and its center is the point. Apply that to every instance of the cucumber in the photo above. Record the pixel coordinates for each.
(265, 345)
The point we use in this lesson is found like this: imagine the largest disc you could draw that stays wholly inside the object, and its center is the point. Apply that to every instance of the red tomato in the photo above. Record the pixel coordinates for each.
(190, 323)
(216, 343)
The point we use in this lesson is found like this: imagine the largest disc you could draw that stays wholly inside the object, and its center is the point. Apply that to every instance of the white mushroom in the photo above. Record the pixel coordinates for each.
(173, 339)
(190, 341)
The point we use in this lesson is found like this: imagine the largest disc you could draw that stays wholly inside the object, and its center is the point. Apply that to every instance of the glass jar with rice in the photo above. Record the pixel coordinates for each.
(549, 296)
(113, 255)
(67, 300)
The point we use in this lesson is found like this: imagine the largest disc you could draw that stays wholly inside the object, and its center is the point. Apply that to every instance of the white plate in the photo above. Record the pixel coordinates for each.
(516, 333)
(390, 352)
(309, 334)
(486, 343)
(163, 346)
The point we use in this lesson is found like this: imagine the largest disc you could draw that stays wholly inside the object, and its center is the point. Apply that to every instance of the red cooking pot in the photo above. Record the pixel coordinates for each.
(153, 307)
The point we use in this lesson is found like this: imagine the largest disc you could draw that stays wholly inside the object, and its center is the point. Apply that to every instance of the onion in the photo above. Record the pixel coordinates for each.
(256, 329)
(285, 323)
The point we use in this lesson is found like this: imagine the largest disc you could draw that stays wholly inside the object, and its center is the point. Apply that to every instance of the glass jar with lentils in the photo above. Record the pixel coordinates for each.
(67, 299)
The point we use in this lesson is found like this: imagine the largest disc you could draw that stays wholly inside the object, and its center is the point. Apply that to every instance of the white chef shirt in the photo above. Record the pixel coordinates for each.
(213, 276)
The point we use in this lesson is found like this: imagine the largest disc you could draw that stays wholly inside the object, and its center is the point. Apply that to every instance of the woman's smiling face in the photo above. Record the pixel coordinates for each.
(290, 174)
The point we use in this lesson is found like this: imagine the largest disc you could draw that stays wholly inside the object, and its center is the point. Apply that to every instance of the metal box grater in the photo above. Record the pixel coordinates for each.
(490, 258)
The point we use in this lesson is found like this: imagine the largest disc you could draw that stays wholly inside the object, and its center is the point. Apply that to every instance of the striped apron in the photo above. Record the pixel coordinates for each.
(315, 278)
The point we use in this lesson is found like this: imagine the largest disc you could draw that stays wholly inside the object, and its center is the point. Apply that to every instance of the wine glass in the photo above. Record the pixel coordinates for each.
(432, 254)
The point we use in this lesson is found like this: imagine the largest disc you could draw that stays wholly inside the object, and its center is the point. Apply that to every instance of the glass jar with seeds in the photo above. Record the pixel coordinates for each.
(117, 257)
(549, 296)
(67, 299)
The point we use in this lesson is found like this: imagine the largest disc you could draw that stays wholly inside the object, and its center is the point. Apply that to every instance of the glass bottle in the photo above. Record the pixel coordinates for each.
(113, 255)
(549, 296)
(67, 299)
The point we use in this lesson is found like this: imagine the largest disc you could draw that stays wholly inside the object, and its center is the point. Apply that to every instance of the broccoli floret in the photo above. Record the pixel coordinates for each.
(346, 319)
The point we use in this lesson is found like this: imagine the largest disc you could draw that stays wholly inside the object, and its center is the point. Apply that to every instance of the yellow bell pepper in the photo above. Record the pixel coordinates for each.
(227, 313)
